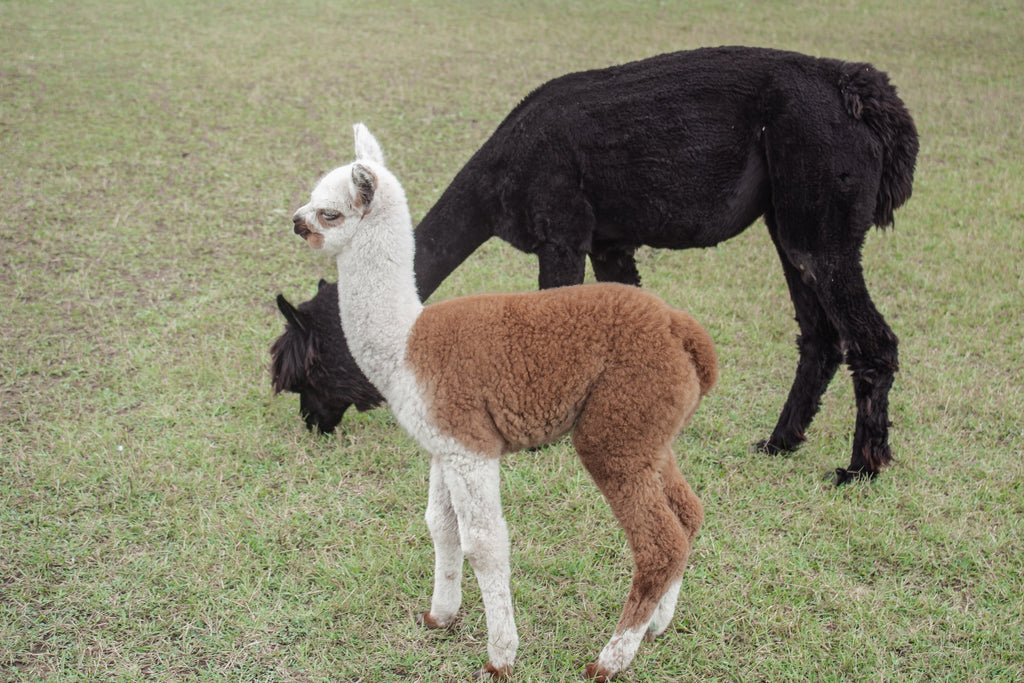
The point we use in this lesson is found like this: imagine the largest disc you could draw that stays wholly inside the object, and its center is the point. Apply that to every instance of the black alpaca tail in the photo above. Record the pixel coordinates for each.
(870, 97)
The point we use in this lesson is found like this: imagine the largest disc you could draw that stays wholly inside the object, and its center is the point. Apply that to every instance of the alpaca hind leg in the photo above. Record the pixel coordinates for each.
(688, 509)
(819, 357)
(444, 530)
(822, 207)
(473, 483)
(660, 547)
(871, 353)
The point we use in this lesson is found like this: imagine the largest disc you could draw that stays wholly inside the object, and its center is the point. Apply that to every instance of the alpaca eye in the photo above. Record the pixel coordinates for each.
(330, 215)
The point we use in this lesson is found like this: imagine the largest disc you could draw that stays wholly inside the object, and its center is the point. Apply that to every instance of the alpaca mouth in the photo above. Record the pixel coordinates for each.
(302, 229)
(313, 239)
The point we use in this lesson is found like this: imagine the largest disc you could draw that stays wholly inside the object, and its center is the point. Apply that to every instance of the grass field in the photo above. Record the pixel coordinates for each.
(164, 517)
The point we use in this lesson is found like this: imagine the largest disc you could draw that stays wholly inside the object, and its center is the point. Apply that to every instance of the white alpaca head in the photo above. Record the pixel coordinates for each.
(344, 197)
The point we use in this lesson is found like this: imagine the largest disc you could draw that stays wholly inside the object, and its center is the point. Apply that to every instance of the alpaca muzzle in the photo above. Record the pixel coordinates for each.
(313, 239)
(300, 226)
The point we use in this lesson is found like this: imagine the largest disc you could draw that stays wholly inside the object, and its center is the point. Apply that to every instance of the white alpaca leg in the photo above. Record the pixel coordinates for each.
(619, 652)
(474, 484)
(664, 611)
(444, 530)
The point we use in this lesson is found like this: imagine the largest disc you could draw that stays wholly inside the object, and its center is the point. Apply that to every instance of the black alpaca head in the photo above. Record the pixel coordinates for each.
(312, 359)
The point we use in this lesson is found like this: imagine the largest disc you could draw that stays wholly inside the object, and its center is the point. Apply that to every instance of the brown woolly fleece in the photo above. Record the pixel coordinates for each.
(504, 372)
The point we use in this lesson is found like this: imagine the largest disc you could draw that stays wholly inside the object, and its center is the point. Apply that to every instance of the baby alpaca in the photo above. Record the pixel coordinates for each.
(475, 377)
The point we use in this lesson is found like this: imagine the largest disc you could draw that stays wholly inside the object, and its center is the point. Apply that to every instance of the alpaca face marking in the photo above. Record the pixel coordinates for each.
(335, 207)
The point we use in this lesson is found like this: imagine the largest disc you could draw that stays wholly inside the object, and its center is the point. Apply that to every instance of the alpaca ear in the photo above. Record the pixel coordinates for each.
(367, 147)
(290, 313)
(366, 184)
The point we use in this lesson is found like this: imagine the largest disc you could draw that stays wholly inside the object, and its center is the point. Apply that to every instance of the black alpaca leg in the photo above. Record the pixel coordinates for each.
(873, 375)
(560, 266)
(871, 353)
(615, 265)
(822, 207)
(819, 357)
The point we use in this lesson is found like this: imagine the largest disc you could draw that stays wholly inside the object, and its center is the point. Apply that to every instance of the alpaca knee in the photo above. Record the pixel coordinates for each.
(488, 554)
(874, 356)
(693, 518)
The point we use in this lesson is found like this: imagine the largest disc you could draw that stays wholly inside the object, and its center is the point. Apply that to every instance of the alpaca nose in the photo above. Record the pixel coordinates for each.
(300, 225)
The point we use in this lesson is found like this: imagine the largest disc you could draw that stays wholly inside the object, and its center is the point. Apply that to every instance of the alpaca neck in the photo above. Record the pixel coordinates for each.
(377, 296)
(453, 228)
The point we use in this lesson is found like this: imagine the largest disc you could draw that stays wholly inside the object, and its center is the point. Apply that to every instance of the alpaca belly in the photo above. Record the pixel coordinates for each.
(492, 427)
(523, 425)
(696, 215)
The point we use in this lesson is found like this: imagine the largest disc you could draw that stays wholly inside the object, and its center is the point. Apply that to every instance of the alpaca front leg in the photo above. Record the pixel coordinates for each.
(444, 530)
(473, 483)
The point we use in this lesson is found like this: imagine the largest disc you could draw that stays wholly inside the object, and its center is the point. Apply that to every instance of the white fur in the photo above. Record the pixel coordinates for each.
(620, 650)
(378, 305)
(665, 611)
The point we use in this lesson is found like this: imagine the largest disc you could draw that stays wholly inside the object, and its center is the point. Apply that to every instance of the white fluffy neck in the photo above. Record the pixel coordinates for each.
(377, 296)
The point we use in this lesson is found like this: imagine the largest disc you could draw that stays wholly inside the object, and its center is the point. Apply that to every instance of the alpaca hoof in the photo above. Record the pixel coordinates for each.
(595, 672)
(773, 447)
(424, 619)
(844, 476)
(494, 673)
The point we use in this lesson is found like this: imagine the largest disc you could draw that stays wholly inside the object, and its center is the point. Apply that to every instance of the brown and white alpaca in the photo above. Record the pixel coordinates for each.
(475, 377)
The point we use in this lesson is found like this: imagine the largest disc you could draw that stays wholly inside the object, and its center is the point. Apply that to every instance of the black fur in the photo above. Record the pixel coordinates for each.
(312, 359)
(686, 150)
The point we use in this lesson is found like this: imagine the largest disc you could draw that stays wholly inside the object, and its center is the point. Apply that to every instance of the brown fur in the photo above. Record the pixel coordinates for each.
(505, 372)
(612, 363)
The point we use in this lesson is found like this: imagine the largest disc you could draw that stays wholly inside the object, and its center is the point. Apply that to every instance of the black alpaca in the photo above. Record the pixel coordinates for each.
(312, 359)
(686, 150)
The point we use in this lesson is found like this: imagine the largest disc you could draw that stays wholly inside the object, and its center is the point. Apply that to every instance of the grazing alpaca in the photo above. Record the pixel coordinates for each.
(686, 150)
(311, 358)
(476, 377)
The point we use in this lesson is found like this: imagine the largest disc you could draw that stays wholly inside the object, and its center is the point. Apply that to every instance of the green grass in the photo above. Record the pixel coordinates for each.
(164, 517)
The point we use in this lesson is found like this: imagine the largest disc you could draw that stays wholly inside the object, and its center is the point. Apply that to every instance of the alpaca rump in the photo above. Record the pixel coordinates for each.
(686, 150)
(476, 377)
